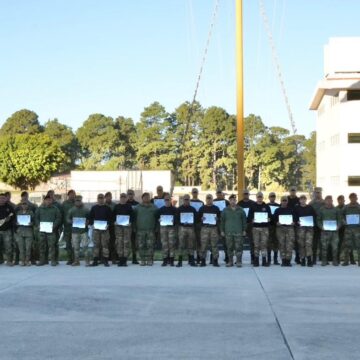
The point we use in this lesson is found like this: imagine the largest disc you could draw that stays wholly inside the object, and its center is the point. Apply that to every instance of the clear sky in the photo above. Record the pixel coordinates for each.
(70, 58)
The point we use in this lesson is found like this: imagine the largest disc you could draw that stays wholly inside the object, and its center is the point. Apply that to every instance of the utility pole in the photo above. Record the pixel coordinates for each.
(240, 97)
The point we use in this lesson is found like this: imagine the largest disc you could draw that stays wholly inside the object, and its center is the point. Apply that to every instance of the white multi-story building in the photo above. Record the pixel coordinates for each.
(337, 101)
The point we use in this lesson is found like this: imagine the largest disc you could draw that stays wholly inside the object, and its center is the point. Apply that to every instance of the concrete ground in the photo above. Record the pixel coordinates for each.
(171, 313)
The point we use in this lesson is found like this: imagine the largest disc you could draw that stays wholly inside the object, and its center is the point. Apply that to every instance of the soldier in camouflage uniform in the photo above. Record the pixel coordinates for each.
(329, 236)
(351, 215)
(24, 234)
(7, 215)
(233, 228)
(79, 234)
(47, 213)
(146, 215)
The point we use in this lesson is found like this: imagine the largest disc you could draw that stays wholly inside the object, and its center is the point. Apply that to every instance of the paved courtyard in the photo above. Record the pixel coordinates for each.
(171, 313)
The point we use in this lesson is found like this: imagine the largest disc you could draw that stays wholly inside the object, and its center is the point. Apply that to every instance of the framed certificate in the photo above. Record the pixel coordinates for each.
(196, 205)
(273, 208)
(186, 218)
(209, 219)
(330, 225)
(246, 210)
(166, 220)
(285, 219)
(307, 221)
(123, 220)
(353, 219)
(261, 217)
(46, 227)
(221, 204)
(23, 220)
(100, 225)
(79, 223)
(159, 203)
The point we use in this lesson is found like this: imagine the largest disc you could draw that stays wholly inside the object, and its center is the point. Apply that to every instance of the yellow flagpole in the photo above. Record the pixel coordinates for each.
(240, 97)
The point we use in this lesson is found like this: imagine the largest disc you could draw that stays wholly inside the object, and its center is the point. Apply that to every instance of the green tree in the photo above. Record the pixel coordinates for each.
(64, 137)
(309, 167)
(27, 160)
(21, 122)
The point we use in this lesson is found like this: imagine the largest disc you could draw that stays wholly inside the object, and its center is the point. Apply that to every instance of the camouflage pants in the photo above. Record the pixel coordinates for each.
(101, 241)
(25, 244)
(329, 238)
(209, 236)
(260, 239)
(186, 240)
(146, 241)
(273, 243)
(123, 240)
(234, 242)
(168, 240)
(47, 241)
(286, 236)
(6, 241)
(352, 241)
(305, 237)
(79, 240)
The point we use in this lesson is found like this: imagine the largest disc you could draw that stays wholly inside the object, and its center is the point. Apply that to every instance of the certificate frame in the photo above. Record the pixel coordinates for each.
(330, 225)
(184, 217)
(159, 203)
(196, 205)
(286, 219)
(101, 225)
(306, 221)
(352, 219)
(209, 219)
(261, 217)
(220, 204)
(166, 220)
(122, 220)
(23, 219)
(46, 227)
(79, 223)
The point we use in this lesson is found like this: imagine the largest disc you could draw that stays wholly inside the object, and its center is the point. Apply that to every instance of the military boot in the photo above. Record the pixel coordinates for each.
(303, 263)
(134, 259)
(179, 264)
(106, 262)
(256, 261)
(239, 261)
(192, 260)
(95, 262)
(352, 260)
(121, 261)
(309, 261)
(203, 262)
(215, 262)
(276, 262)
(165, 261)
(171, 261)
(125, 259)
(230, 262)
(269, 257)
(264, 262)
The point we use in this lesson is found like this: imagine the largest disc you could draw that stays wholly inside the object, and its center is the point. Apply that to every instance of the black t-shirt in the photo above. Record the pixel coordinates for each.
(5, 211)
(292, 202)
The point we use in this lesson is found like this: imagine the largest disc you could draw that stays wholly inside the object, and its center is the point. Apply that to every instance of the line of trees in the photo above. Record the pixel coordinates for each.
(198, 144)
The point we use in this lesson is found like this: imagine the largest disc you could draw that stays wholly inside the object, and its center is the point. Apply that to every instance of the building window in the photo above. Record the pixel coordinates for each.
(353, 95)
(354, 180)
(354, 138)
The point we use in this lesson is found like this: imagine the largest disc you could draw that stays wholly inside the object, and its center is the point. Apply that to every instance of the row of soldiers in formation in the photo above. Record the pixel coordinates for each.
(118, 229)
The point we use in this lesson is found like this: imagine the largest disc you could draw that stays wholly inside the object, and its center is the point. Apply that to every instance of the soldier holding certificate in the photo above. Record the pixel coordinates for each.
(306, 217)
(187, 216)
(78, 218)
(329, 221)
(24, 234)
(260, 216)
(123, 219)
(209, 214)
(48, 218)
(100, 218)
(351, 215)
(168, 215)
(285, 220)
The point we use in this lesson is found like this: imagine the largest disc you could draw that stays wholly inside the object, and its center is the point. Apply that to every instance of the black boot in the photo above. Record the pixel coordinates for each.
(172, 261)
(309, 261)
(165, 261)
(211, 258)
(297, 258)
(303, 263)
(269, 257)
(191, 260)
(203, 262)
(226, 257)
(264, 262)
(124, 261)
(256, 261)
(179, 264)
(198, 259)
(106, 262)
(276, 262)
(252, 258)
(314, 259)
(215, 262)
(134, 260)
(95, 262)
(283, 262)
(288, 263)
(352, 260)
(121, 261)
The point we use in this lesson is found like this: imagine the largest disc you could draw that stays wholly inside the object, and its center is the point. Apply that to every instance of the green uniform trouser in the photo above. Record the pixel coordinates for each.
(168, 241)
(67, 236)
(79, 240)
(47, 241)
(286, 236)
(352, 241)
(260, 238)
(305, 236)
(186, 240)
(146, 241)
(123, 240)
(6, 240)
(329, 238)
(209, 236)
(234, 242)
(24, 242)
(101, 240)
